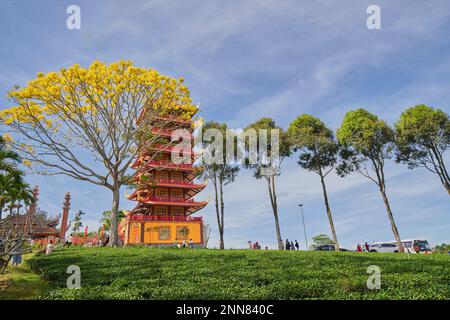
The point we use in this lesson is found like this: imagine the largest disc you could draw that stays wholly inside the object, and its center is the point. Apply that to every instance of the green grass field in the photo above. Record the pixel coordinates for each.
(144, 273)
(20, 283)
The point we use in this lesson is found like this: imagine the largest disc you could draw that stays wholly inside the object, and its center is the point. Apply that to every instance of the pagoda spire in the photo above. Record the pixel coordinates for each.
(65, 216)
(33, 205)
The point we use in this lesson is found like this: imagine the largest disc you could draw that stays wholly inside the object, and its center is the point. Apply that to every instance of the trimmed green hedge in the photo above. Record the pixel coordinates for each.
(150, 273)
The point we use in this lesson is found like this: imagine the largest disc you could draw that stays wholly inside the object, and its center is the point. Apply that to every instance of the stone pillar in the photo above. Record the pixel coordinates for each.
(32, 209)
(33, 205)
(65, 216)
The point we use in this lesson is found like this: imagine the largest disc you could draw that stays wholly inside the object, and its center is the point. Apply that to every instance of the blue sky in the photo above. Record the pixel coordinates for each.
(246, 59)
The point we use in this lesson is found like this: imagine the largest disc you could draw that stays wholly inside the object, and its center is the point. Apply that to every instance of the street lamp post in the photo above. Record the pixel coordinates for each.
(304, 228)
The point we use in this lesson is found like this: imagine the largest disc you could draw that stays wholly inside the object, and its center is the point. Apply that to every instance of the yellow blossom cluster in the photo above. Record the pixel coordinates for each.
(78, 92)
(7, 138)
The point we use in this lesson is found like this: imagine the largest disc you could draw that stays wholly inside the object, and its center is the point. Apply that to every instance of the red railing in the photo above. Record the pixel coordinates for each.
(169, 118)
(175, 182)
(141, 217)
(169, 148)
(83, 240)
(166, 132)
(169, 199)
(169, 164)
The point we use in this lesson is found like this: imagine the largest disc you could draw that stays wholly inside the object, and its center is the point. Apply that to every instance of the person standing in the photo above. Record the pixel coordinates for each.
(366, 245)
(297, 246)
(191, 244)
(358, 248)
(183, 244)
(250, 246)
(17, 258)
(288, 245)
(49, 247)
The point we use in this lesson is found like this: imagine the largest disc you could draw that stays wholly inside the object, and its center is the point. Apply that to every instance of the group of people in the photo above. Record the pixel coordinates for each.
(289, 245)
(184, 244)
(17, 255)
(363, 248)
(254, 245)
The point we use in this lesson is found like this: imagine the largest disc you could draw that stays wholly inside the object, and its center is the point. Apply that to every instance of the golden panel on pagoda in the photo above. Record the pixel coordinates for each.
(135, 233)
(165, 232)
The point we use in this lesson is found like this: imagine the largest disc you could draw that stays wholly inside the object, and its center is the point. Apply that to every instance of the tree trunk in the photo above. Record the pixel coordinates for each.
(445, 179)
(391, 219)
(440, 168)
(114, 239)
(273, 201)
(442, 165)
(222, 206)
(379, 170)
(2, 205)
(330, 217)
(218, 212)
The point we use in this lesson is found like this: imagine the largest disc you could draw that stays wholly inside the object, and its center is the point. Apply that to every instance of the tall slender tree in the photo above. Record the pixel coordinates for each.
(264, 169)
(217, 170)
(422, 137)
(368, 142)
(318, 152)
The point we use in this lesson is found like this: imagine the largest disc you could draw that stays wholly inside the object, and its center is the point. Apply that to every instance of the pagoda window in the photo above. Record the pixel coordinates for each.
(162, 193)
(177, 211)
(177, 176)
(176, 193)
(162, 175)
(161, 210)
(162, 157)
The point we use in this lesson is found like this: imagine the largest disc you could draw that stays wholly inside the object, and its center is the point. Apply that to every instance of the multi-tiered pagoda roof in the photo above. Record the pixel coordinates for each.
(164, 188)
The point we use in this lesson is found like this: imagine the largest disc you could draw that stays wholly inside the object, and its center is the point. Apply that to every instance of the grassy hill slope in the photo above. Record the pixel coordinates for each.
(144, 273)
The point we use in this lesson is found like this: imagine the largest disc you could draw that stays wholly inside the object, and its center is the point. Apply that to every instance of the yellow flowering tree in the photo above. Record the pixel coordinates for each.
(90, 123)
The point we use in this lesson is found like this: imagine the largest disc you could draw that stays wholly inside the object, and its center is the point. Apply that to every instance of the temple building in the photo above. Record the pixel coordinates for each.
(43, 229)
(165, 191)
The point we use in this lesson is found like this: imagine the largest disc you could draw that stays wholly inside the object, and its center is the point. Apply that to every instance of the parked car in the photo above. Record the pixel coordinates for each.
(383, 247)
(328, 247)
(411, 246)
(417, 246)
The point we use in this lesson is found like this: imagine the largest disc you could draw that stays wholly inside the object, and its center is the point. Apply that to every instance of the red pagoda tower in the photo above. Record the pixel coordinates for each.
(165, 191)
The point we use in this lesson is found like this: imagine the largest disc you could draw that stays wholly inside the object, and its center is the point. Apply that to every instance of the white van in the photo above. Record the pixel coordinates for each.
(410, 245)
